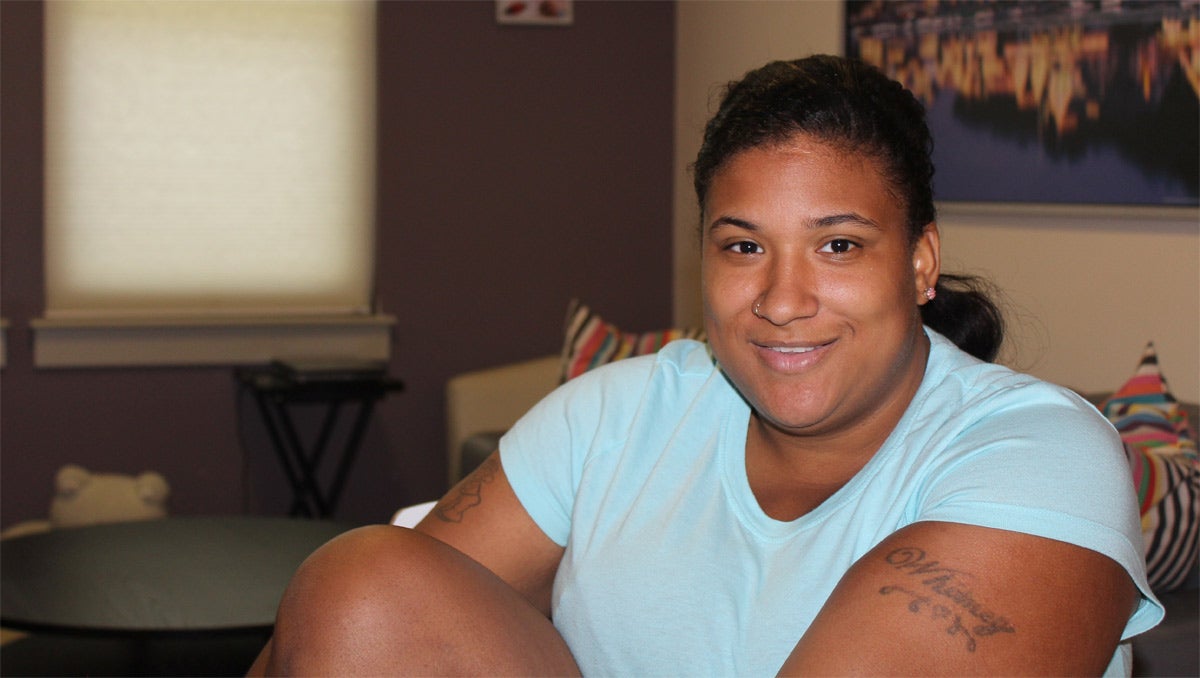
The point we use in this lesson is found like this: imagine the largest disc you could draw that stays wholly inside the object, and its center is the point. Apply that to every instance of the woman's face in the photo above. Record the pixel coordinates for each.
(814, 239)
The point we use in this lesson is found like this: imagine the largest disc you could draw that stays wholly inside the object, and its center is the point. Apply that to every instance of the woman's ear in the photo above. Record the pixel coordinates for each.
(927, 261)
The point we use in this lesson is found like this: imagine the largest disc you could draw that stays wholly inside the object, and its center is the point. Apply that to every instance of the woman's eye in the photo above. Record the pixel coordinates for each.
(839, 246)
(745, 247)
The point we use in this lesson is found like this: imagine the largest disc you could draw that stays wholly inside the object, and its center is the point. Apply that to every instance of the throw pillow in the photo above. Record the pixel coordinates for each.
(591, 341)
(1166, 471)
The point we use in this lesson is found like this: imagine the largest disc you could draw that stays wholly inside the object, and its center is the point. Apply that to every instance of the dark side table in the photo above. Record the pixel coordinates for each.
(165, 595)
(334, 385)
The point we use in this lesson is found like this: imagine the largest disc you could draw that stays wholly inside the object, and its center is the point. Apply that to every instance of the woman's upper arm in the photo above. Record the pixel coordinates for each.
(482, 517)
(958, 599)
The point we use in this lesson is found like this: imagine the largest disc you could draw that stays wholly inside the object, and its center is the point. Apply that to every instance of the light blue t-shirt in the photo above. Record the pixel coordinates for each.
(672, 568)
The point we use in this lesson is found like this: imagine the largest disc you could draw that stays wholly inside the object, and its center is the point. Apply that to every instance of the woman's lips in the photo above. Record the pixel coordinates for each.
(793, 349)
(792, 357)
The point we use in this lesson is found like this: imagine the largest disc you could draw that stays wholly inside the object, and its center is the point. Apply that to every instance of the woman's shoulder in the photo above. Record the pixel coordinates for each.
(953, 376)
(976, 407)
(688, 357)
(679, 358)
(678, 366)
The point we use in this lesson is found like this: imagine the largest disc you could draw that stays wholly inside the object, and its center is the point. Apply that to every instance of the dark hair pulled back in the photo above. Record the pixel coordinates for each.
(852, 105)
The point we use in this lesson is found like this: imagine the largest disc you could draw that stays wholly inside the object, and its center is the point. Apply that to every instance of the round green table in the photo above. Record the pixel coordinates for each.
(176, 575)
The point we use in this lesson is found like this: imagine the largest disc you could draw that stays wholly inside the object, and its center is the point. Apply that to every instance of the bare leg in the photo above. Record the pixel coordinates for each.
(387, 600)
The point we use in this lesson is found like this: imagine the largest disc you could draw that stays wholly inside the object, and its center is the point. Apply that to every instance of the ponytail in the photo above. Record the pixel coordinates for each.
(963, 312)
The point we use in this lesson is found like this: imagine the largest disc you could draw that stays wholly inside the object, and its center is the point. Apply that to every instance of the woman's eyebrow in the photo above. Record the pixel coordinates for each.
(846, 218)
(829, 221)
(732, 221)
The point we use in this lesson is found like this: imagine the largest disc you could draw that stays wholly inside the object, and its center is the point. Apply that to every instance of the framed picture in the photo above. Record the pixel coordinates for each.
(1048, 101)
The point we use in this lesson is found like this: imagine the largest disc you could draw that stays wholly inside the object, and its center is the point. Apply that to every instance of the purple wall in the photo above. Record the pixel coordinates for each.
(518, 167)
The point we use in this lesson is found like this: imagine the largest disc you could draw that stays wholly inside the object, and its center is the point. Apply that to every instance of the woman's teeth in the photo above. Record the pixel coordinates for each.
(789, 349)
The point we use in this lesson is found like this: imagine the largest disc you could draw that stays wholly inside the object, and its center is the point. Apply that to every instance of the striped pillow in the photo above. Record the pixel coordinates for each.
(1166, 471)
(592, 342)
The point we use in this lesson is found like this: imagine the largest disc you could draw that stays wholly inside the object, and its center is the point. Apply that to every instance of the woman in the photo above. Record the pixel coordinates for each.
(835, 488)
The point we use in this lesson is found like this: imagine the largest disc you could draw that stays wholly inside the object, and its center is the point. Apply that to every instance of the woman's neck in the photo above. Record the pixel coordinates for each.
(791, 472)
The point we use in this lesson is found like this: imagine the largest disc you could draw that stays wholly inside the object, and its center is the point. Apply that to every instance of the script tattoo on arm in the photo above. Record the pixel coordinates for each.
(944, 595)
(468, 493)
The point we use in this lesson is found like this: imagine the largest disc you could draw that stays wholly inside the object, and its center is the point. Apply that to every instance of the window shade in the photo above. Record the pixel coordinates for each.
(209, 157)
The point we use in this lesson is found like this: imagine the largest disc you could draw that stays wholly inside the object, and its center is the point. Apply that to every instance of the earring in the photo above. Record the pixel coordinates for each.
(755, 309)
(930, 293)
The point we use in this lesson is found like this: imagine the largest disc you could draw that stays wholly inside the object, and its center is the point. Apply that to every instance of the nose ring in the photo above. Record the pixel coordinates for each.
(755, 309)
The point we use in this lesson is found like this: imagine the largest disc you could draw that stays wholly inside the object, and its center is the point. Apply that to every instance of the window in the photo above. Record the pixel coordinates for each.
(210, 172)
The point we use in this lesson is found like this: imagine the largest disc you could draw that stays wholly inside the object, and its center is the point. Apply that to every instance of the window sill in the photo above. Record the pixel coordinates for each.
(198, 341)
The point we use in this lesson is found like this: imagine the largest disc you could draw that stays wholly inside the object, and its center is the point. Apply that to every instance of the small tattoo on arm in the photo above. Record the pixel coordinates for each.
(468, 493)
(944, 595)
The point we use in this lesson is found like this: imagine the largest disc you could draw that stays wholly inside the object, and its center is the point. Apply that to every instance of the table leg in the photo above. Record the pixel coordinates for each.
(352, 445)
(286, 442)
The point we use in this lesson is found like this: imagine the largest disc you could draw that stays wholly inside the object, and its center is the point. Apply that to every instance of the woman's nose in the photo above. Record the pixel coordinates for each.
(788, 294)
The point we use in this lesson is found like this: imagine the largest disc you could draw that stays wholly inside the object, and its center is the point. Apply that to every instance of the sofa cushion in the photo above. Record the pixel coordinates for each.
(477, 448)
(1169, 649)
(1162, 456)
(591, 341)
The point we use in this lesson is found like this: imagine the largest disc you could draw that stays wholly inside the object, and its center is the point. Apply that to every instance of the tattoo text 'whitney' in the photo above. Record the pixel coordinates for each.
(942, 592)
(469, 492)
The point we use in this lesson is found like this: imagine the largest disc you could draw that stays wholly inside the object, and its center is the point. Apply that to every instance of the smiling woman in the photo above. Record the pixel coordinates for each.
(836, 483)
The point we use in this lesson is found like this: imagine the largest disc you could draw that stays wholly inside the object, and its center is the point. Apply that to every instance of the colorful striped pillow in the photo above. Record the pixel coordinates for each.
(591, 342)
(1166, 471)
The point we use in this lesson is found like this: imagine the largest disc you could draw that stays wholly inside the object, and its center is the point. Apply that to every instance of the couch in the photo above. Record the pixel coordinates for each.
(482, 404)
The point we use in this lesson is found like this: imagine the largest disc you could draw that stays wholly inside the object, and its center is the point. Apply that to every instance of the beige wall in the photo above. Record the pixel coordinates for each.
(1085, 288)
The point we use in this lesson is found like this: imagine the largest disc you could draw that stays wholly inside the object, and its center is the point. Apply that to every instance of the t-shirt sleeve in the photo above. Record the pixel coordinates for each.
(537, 460)
(544, 453)
(1044, 462)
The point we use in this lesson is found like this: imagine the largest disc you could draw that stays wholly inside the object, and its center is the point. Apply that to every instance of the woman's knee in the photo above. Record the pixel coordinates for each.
(370, 588)
(363, 555)
(388, 600)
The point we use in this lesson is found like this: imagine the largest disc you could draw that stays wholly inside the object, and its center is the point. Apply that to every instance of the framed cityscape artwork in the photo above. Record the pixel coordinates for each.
(1048, 101)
